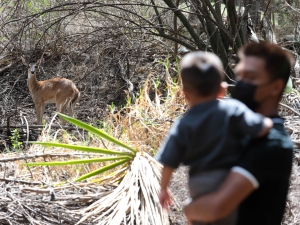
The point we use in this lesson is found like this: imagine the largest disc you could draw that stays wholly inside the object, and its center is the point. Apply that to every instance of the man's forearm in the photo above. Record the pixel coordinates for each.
(221, 203)
(201, 210)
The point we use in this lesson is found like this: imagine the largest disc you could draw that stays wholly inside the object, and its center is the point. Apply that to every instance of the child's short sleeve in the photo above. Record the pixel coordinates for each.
(247, 122)
(172, 149)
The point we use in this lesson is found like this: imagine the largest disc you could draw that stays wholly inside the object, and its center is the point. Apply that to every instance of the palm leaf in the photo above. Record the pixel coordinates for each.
(80, 161)
(102, 170)
(134, 201)
(82, 148)
(96, 131)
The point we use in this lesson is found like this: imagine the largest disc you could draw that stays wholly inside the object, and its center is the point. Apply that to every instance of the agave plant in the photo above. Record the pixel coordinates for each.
(135, 200)
(118, 158)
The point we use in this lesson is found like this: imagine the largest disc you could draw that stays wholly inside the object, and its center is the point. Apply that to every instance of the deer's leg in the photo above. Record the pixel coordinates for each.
(61, 107)
(71, 109)
(40, 108)
(72, 104)
(43, 109)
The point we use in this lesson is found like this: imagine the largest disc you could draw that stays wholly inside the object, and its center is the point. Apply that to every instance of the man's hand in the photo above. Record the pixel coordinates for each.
(164, 198)
(188, 211)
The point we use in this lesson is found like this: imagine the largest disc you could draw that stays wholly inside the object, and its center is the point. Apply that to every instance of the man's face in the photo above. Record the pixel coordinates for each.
(252, 70)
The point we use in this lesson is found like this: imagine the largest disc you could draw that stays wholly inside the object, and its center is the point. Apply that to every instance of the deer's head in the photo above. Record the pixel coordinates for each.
(32, 66)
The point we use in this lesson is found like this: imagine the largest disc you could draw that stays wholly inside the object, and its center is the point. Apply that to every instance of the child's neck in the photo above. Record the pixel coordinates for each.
(201, 99)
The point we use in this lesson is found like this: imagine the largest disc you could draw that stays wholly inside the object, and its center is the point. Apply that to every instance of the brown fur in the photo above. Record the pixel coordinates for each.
(60, 91)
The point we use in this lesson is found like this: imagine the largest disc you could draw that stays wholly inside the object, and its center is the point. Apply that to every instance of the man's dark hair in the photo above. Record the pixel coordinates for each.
(201, 73)
(278, 62)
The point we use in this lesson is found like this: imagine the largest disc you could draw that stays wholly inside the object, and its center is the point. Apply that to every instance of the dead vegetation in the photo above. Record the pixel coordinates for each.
(26, 192)
(143, 124)
(128, 88)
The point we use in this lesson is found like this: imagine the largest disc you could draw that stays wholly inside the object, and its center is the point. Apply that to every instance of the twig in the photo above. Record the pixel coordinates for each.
(40, 126)
(6, 67)
(20, 181)
(293, 110)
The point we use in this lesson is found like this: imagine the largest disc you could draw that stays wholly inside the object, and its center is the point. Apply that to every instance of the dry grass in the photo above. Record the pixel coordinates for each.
(143, 125)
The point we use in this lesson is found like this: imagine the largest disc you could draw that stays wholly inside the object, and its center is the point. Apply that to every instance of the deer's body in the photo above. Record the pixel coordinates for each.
(60, 91)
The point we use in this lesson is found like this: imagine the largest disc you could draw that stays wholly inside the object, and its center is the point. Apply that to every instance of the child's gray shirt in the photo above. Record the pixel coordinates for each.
(209, 136)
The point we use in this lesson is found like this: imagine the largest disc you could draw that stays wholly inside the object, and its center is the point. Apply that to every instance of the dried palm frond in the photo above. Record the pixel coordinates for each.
(135, 200)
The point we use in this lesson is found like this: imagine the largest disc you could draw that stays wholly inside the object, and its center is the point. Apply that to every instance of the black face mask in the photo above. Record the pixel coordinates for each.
(245, 92)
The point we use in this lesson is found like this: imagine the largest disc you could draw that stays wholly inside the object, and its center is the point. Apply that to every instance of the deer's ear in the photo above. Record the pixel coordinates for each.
(24, 61)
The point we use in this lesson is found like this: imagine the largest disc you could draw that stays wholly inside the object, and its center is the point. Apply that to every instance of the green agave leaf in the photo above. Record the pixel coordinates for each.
(83, 148)
(96, 131)
(102, 170)
(80, 161)
(113, 174)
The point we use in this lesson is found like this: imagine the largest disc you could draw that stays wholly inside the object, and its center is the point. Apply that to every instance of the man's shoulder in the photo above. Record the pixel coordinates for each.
(270, 157)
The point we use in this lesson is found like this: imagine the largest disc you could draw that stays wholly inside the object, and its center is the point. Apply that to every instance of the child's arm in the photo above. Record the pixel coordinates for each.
(247, 122)
(267, 125)
(164, 196)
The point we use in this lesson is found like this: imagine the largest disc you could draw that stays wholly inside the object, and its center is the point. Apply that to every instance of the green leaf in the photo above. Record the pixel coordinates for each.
(96, 131)
(102, 170)
(82, 148)
(80, 161)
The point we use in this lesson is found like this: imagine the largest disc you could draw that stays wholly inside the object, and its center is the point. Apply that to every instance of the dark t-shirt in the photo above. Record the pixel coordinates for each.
(208, 136)
(269, 160)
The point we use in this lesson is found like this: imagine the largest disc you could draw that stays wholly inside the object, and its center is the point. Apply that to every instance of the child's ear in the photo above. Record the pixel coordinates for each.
(223, 88)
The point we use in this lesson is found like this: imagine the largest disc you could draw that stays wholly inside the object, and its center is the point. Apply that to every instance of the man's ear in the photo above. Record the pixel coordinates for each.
(223, 88)
(279, 86)
(186, 93)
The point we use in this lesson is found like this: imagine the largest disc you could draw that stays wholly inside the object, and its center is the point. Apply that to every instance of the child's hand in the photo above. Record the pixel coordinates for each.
(165, 199)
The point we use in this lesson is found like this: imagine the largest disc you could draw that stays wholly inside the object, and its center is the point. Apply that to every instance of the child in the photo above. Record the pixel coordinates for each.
(208, 137)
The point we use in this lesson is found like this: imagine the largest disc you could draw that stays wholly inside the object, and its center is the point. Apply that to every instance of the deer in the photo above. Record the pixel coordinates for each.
(60, 91)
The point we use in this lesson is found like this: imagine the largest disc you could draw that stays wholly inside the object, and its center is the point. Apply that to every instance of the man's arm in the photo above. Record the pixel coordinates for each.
(221, 203)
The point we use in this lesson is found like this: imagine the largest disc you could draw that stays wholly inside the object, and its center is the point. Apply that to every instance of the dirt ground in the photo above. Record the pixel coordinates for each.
(180, 192)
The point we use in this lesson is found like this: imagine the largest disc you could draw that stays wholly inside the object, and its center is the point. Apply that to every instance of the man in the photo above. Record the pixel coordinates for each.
(259, 183)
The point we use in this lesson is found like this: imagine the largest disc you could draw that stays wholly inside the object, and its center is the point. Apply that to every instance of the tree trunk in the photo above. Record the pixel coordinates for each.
(267, 31)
